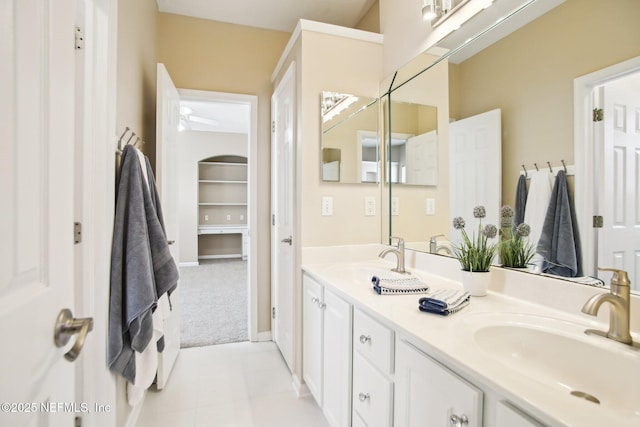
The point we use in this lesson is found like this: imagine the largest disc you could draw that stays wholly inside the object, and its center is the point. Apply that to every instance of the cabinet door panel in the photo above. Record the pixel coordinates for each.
(374, 341)
(337, 360)
(428, 394)
(372, 393)
(507, 415)
(312, 337)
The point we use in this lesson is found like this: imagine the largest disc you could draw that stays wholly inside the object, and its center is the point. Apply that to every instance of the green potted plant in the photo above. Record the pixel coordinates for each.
(515, 249)
(475, 253)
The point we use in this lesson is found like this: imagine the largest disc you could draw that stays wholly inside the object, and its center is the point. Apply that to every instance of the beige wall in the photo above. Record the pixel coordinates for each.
(529, 75)
(358, 72)
(195, 147)
(136, 79)
(371, 20)
(208, 55)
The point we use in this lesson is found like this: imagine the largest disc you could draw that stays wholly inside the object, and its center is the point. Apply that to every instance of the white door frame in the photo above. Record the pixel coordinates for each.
(583, 146)
(252, 214)
(97, 139)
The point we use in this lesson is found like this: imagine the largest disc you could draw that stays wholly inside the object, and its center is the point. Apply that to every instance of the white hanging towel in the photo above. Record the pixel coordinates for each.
(536, 211)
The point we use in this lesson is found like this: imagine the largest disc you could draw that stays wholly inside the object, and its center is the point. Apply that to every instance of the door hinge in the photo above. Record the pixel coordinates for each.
(273, 126)
(77, 232)
(598, 221)
(79, 39)
(273, 312)
(273, 219)
(78, 422)
(598, 114)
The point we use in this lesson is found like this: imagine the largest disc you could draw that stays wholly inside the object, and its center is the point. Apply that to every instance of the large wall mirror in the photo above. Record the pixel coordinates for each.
(349, 138)
(526, 67)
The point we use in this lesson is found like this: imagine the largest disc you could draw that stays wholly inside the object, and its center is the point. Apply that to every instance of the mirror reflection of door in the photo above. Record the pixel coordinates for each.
(619, 237)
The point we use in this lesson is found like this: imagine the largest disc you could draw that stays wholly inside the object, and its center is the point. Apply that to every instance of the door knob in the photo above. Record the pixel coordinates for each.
(66, 327)
(287, 240)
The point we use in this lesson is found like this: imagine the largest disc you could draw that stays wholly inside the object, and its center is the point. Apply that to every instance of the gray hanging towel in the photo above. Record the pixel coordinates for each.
(521, 201)
(141, 266)
(560, 240)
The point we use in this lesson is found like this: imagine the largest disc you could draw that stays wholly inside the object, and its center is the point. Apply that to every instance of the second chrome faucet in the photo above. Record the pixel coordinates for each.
(399, 252)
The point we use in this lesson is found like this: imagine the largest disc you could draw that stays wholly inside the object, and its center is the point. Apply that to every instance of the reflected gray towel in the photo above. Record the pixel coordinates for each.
(560, 240)
(521, 201)
(141, 267)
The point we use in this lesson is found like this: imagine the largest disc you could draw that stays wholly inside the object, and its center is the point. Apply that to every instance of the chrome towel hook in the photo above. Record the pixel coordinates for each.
(564, 166)
(525, 171)
(550, 168)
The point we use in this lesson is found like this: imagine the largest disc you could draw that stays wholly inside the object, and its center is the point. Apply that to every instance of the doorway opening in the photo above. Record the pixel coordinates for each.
(216, 171)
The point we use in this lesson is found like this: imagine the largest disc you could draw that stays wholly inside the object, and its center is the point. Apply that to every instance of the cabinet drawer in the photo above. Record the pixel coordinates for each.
(357, 421)
(374, 341)
(372, 394)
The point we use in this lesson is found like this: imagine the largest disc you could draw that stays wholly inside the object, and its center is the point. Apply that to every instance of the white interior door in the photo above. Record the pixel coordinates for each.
(167, 119)
(36, 216)
(620, 198)
(283, 219)
(475, 152)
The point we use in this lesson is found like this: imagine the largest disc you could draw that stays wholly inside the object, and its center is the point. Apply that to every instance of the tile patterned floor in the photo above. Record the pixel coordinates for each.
(230, 385)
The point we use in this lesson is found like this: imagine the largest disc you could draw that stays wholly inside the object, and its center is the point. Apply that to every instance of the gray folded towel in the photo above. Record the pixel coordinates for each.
(393, 285)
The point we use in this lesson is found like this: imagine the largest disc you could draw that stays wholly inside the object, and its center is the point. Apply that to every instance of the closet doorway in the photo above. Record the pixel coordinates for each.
(216, 170)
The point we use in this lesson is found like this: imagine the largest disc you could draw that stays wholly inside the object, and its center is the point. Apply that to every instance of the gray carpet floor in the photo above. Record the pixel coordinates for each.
(213, 303)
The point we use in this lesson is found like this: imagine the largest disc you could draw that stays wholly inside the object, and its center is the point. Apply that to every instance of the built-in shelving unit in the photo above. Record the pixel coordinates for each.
(222, 207)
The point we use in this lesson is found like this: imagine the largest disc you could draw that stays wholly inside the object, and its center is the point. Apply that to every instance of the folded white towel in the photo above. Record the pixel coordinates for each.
(392, 284)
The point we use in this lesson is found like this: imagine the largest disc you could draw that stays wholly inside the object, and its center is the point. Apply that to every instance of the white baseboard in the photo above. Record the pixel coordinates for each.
(299, 387)
(264, 336)
(189, 264)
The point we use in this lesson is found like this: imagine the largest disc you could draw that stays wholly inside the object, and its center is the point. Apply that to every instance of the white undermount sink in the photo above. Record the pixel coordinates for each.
(558, 354)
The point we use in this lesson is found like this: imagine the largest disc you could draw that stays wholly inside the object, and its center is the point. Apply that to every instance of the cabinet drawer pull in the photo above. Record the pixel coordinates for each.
(363, 396)
(364, 338)
(314, 300)
(458, 421)
(322, 305)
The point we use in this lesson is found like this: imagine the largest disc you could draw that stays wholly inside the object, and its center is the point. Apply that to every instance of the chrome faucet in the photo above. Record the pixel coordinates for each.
(433, 245)
(619, 311)
(399, 252)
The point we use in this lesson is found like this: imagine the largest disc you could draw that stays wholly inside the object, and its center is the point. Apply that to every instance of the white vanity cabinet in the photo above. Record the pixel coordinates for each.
(509, 416)
(326, 350)
(372, 371)
(429, 394)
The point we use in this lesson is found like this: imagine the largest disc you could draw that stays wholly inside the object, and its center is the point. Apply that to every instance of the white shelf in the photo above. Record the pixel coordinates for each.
(223, 164)
(220, 181)
(222, 204)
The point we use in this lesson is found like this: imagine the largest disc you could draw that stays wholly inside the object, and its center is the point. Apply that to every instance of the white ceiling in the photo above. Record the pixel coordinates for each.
(282, 15)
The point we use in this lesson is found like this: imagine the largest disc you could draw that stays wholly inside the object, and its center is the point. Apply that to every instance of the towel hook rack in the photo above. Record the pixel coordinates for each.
(525, 171)
(564, 166)
(536, 165)
(550, 168)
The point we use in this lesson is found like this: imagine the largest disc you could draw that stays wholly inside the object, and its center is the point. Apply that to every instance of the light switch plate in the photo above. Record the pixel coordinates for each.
(395, 206)
(431, 206)
(369, 206)
(327, 206)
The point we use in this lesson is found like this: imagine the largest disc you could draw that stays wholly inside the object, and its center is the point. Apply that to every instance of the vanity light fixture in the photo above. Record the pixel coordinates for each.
(429, 10)
(437, 11)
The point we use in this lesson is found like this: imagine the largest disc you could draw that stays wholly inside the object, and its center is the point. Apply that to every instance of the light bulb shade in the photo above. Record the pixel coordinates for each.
(428, 10)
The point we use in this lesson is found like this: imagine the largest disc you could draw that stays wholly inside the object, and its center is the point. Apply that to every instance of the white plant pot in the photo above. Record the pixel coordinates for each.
(476, 283)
